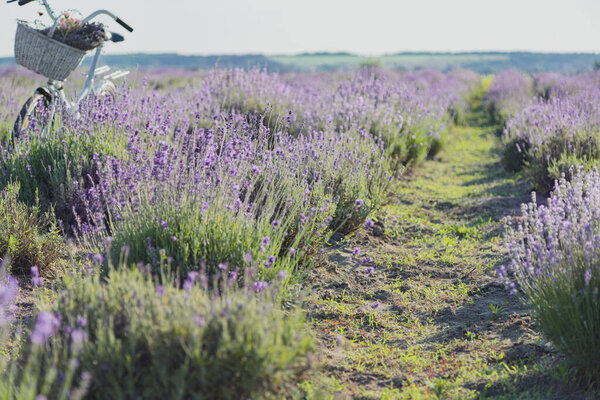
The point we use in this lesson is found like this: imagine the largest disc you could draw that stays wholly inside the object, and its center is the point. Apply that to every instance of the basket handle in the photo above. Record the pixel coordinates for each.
(51, 31)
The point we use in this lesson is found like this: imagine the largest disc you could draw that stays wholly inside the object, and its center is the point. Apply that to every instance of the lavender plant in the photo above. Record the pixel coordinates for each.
(32, 374)
(407, 115)
(217, 208)
(237, 170)
(408, 112)
(53, 169)
(509, 92)
(548, 137)
(555, 256)
(29, 237)
(180, 340)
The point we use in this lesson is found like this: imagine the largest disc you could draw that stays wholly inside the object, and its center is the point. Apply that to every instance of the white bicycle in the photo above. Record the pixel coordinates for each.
(55, 60)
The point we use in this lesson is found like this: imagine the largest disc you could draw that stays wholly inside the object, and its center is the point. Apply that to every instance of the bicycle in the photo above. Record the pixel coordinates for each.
(41, 59)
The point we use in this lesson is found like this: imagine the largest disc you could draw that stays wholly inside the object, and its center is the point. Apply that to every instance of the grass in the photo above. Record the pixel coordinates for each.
(431, 322)
(312, 62)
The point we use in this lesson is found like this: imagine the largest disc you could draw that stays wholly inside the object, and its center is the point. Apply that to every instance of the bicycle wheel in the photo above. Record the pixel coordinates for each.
(32, 109)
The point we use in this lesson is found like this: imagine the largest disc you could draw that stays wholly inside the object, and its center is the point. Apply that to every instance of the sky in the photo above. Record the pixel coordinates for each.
(366, 27)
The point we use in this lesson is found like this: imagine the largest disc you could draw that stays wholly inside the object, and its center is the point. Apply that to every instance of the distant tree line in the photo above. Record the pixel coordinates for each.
(488, 62)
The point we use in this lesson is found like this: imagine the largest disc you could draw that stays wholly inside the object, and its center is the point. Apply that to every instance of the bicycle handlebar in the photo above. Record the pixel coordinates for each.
(123, 24)
(113, 16)
(94, 14)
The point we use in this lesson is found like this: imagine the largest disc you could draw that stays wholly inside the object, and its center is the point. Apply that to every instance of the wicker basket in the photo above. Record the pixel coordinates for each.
(48, 57)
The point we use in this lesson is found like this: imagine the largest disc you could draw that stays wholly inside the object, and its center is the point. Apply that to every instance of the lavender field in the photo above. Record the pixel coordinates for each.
(239, 234)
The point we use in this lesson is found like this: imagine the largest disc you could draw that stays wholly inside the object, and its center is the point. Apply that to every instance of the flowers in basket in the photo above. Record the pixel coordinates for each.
(73, 32)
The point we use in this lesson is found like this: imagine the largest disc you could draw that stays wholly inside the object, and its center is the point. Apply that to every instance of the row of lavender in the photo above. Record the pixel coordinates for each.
(224, 185)
(550, 123)
(283, 158)
(552, 130)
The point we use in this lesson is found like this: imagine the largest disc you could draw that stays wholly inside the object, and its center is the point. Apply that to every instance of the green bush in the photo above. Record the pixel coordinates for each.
(194, 235)
(38, 374)
(555, 259)
(512, 157)
(567, 310)
(28, 237)
(25, 375)
(54, 168)
(558, 157)
(161, 342)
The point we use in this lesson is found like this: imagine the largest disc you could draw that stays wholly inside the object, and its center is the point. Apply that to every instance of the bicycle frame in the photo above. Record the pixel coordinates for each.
(91, 86)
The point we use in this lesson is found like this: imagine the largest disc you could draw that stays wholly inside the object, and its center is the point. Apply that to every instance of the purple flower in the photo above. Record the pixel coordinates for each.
(174, 238)
(78, 336)
(45, 326)
(587, 276)
(36, 280)
(369, 223)
(248, 257)
(223, 266)
(369, 270)
(356, 252)
(199, 320)
(292, 251)
(9, 290)
(269, 263)
(260, 287)
(193, 275)
(375, 305)
(160, 290)
(125, 250)
(559, 236)
(189, 281)
(275, 224)
(264, 243)
(149, 244)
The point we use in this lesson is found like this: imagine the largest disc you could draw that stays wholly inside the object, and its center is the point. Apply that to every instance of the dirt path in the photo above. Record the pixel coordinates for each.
(422, 316)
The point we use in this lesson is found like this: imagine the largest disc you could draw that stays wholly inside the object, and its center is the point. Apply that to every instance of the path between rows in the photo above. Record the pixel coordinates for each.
(430, 321)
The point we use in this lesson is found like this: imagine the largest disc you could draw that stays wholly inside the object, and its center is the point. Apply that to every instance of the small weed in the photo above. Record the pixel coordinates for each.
(462, 231)
(439, 387)
(496, 311)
